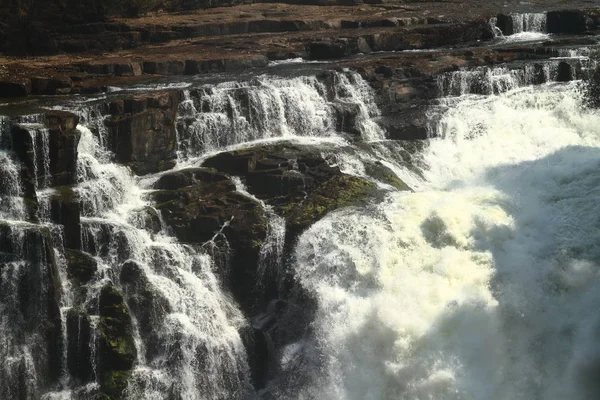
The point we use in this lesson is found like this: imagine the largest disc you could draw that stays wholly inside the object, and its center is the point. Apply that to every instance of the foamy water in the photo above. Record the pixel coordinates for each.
(482, 285)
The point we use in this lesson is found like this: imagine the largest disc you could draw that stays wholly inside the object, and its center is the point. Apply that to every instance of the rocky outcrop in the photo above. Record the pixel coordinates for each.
(142, 131)
(202, 205)
(296, 180)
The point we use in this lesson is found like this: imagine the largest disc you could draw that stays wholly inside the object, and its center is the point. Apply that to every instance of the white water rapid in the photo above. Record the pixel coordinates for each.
(483, 284)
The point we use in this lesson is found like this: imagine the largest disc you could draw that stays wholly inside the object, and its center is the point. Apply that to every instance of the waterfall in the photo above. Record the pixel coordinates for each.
(570, 65)
(520, 27)
(192, 317)
(470, 273)
(529, 22)
(482, 283)
(12, 206)
(269, 108)
(271, 252)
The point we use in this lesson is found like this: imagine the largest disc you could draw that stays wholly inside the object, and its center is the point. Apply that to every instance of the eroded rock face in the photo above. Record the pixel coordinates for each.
(142, 131)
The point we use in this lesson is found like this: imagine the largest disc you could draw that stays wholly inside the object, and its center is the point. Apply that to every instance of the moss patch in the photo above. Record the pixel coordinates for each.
(338, 191)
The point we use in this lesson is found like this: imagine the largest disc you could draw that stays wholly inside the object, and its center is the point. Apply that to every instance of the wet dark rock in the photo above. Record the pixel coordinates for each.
(79, 346)
(116, 348)
(144, 137)
(296, 180)
(383, 174)
(592, 90)
(569, 21)
(199, 211)
(242, 63)
(23, 146)
(15, 88)
(81, 266)
(564, 72)
(63, 142)
(64, 139)
(257, 349)
(164, 67)
(150, 220)
(329, 49)
(51, 85)
(187, 177)
(101, 239)
(345, 117)
(505, 24)
(33, 293)
(148, 305)
(404, 127)
(65, 210)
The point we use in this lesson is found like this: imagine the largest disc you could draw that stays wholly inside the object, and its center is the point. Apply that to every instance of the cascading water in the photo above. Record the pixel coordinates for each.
(195, 327)
(520, 27)
(529, 22)
(230, 113)
(483, 283)
(570, 65)
(184, 330)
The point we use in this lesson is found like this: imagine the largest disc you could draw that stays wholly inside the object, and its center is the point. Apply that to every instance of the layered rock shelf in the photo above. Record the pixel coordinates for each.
(91, 58)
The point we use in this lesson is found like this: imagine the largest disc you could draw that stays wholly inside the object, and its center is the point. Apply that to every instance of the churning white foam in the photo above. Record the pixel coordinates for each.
(482, 285)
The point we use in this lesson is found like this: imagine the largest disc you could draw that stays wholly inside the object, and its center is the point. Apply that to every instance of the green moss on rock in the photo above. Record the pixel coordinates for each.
(338, 191)
(81, 267)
